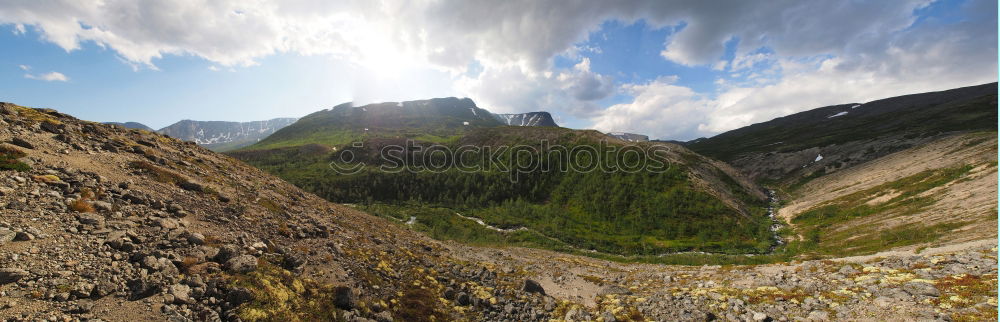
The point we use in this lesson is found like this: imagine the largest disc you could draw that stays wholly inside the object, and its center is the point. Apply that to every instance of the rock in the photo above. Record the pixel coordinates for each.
(166, 223)
(343, 298)
(91, 219)
(613, 289)
(463, 299)
(23, 236)
(383, 316)
(22, 143)
(140, 289)
(242, 264)
(226, 252)
(449, 294)
(196, 238)
(191, 186)
(758, 316)
(239, 296)
(181, 293)
(84, 306)
(103, 288)
(883, 301)
(609, 317)
(102, 205)
(6, 236)
(921, 288)
(533, 287)
(51, 127)
(818, 316)
(11, 275)
(847, 270)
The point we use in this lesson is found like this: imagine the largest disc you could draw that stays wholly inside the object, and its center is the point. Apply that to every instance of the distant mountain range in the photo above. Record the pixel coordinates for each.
(217, 135)
(226, 136)
(132, 125)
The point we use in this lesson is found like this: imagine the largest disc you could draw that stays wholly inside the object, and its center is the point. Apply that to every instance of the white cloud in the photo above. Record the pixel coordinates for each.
(659, 108)
(48, 77)
(24, 67)
(817, 52)
(509, 89)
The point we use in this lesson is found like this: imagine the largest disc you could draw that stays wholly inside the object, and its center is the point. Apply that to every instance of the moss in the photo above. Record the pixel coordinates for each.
(280, 295)
(9, 159)
(159, 174)
(269, 205)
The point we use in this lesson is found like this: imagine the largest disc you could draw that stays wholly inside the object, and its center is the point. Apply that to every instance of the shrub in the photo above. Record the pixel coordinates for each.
(81, 205)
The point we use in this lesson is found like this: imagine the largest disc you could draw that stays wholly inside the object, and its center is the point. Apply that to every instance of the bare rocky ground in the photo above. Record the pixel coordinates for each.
(124, 225)
(969, 201)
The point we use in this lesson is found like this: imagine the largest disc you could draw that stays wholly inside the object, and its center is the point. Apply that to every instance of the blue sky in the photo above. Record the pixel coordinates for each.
(673, 71)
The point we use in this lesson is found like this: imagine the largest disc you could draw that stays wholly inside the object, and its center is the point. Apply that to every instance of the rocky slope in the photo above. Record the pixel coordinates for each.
(225, 136)
(941, 192)
(526, 119)
(102, 222)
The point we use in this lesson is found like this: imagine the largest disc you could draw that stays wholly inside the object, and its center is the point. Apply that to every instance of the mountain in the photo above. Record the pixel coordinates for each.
(224, 136)
(132, 125)
(806, 144)
(526, 119)
(630, 137)
(103, 222)
(896, 173)
(436, 119)
(694, 204)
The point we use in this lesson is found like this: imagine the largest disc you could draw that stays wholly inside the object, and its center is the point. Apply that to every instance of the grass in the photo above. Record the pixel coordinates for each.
(818, 225)
(81, 205)
(9, 159)
(159, 174)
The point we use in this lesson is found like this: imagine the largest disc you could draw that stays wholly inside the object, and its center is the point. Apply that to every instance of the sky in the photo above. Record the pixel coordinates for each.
(668, 69)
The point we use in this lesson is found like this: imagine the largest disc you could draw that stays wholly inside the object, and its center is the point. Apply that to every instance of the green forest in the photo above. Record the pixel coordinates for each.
(617, 212)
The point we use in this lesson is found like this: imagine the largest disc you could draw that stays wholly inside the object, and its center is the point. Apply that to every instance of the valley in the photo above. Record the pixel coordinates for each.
(104, 221)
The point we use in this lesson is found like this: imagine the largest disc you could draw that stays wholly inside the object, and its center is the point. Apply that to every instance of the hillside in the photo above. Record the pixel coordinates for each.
(101, 222)
(793, 149)
(225, 136)
(694, 205)
(939, 193)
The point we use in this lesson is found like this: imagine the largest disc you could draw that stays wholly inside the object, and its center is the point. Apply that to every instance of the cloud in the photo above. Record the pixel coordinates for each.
(659, 108)
(24, 67)
(48, 77)
(788, 55)
(572, 91)
(931, 56)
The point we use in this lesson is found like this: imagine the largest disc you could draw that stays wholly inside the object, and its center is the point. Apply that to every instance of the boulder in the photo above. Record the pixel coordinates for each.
(11, 275)
(344, 298)
(921, 288)
(242, 264)
(533, 287)
(613, 289)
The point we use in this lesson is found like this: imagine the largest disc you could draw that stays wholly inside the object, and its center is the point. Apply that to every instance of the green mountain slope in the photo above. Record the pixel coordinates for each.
(689, 203)
(808, 144)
